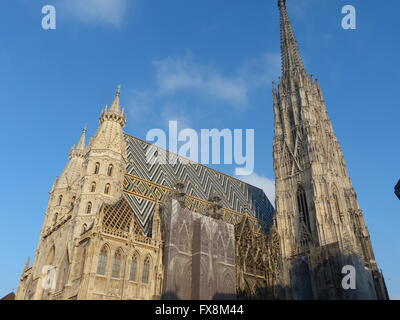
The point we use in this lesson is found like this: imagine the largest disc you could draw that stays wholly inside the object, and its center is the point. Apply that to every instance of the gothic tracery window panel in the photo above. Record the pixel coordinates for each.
(146, 270)
(60, 199)
(133, 271)
(101, 267)
(303, 207)
(116, 269)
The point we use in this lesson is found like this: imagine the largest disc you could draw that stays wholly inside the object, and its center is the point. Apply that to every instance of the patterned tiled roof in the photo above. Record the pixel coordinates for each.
(146, 183)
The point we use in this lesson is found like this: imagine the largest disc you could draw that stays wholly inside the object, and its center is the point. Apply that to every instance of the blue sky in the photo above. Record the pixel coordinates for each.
(207, 64)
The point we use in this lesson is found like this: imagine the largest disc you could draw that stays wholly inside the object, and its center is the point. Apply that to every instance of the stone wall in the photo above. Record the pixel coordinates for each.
(199, 255)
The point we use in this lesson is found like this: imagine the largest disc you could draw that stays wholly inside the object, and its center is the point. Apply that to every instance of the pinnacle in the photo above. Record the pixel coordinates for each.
(115, 107)
(82, 140)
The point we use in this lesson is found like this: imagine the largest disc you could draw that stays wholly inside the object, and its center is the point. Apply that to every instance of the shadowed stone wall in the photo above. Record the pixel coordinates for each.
(199, 255)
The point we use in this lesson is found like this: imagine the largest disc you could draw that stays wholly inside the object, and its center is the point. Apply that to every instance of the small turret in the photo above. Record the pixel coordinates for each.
(78, 151)
(82, 140)
(114, 113)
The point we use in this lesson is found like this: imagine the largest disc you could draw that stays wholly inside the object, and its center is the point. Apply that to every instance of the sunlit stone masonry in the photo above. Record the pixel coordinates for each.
(120, 227)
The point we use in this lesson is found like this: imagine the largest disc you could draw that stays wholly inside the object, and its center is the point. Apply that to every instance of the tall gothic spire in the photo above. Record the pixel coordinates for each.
(291, 57)
(316, 205)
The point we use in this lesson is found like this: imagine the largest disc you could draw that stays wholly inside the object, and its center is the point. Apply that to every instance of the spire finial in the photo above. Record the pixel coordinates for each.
(281, 3)
(118, 90)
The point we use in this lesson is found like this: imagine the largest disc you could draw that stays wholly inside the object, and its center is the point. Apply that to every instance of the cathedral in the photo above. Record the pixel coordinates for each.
(121, 227)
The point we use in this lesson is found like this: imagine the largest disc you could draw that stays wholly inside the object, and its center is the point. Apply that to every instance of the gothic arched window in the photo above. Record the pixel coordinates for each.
(93, 187)
(55, 218)
(107, 189)
(110, 170)
(116, 269)
(89, 208)
(60, 199)
(303, 207)
(84, 228)
(101, 267)
(96, 168)
(73, 201)
(133, 272)
(146, 270)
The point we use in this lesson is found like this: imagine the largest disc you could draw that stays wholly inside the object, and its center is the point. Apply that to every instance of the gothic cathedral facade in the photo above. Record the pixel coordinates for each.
(119, 226)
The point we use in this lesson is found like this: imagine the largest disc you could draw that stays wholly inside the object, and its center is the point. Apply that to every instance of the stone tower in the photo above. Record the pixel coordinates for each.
(320, 223)
(104, 164)
(92, 180)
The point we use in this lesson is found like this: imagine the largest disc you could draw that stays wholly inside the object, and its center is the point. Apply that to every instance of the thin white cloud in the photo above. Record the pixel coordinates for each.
(182, 73)
(109, 12)
(262, 182)
(261, 71)
(144, 103)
